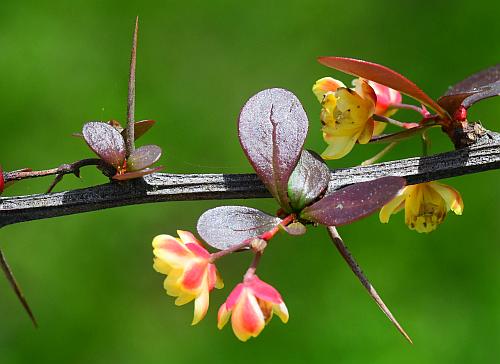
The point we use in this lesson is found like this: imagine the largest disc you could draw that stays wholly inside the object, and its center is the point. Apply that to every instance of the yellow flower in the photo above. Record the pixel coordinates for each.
(346, 115)
(190, 273)
(425, 204)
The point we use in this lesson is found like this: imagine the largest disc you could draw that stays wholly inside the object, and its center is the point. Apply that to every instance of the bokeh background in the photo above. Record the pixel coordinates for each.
(89, 278)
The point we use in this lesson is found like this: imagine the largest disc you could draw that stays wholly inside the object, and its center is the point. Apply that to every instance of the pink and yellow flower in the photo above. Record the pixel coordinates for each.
(190, 273)
(251, 304)
(346, 113)
(425, 204)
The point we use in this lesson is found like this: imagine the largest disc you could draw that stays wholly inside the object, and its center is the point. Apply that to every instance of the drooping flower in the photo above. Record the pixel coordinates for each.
(190, 274)
(251, 305)
(425, 204)
(347, 114)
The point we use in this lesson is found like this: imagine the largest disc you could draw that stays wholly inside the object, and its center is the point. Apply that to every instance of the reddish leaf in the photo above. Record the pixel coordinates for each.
(140, 128)
(143, 157)
(272, 129)
(105, 141)
(353, 202)
(382, 75)
(309, 180)
(479, 86)
(136, 174)
(225, 226)
(2, 181)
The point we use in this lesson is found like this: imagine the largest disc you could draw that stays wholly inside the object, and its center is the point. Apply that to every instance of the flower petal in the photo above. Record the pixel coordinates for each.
(282, 312)
(223, 316)
(247, 319)
(339, 146)
(201, 306)
(367, 132)
(392, 207)
(187, 237)
(234, 296)
(161, 266)
(324, 85)
(450, 195)
(194, 277)
(379, 127)
(171, 250)
(263, 290)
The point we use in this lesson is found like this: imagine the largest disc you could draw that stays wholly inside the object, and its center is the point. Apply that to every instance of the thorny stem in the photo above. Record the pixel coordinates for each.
(129, 142)
(342, 248)
(15, 286)
(69, 168)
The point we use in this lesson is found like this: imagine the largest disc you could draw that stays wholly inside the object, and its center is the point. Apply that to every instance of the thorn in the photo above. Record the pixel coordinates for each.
(17, 290)
(56, 180)
(131, 92)
(346, 254)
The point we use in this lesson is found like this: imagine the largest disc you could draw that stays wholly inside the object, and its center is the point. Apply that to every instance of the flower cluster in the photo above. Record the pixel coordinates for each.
(347, 118)
(191, 275)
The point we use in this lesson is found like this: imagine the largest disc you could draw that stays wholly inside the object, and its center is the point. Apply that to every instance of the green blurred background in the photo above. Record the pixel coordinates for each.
(89, 277)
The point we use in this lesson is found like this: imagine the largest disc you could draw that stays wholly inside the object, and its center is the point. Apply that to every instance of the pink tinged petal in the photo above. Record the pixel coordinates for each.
(450, 195)
(363, 89)
(367, 132)
(385, 98)
(198, 251)
(187, 237)
(214, 279)
(324, 85)
(263, 290)
(200, 306)
(282, 312)
(247, 319)
(234, 296)
(392, 207)
(171, 250)
(223, 316)
(194, 277)
(339, 146)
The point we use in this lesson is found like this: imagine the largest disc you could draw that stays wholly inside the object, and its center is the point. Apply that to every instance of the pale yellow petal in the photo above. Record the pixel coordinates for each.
(367, 132)
(339, 146)
(201, 306)
(392, 207)
(450, 195)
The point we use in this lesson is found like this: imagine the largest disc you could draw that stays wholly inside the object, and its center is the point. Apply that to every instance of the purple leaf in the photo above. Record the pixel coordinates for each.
(136, 174)
(309, 180)
(479, 86)
(383, 75)
(105, 141)
(353, 202)
(143, 157)
(272, 129)
(225, 226)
